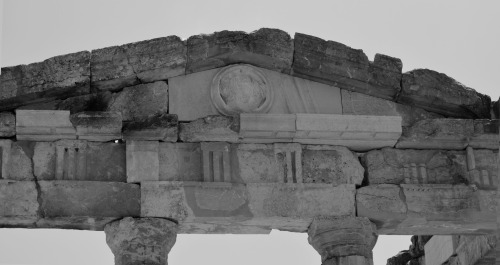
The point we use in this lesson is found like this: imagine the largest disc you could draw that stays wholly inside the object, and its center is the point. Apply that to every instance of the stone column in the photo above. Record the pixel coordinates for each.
(141, 241)
(343, 240)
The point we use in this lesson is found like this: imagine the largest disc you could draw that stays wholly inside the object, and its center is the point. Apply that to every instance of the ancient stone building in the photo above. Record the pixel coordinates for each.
(238, 132)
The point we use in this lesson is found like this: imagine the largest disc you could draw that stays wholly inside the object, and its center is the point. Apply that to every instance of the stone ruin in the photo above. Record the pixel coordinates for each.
(242, 133)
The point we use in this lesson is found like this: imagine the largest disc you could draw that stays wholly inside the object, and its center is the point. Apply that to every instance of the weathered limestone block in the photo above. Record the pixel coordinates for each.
(442, 94)
(210, 129)
(18, 199)
(89, 198)
(359, 133)
(97, 125)
(483, 168)
(180, 162)
(450, 134)
(142, 161)
(7, 124)
(267, 48)
(142, 101)
(340, 240)
(141, 240)
(341, 66)
(478, 250)
(141, 62)
(246, 89)
(79, 160)
(267, 128)
(380, 203)
(44, 125)
(58, 77)
(265, 205)
(360, 104)
(159, 127)
(440, 248)
(91, 102)
(15, 160)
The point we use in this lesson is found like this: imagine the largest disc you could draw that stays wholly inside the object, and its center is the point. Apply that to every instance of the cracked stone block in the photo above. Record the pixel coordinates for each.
(141, 240)
(381, 202)
(439, 93)
(159, 127)
(338, 65)
(55, 78)
(97, 126)
(7, 124)
(18, 199)
(141, 101)
(267, 48)
(130, 64)
(44, 125)
(210, 129)
(89, 198)
(360, 104)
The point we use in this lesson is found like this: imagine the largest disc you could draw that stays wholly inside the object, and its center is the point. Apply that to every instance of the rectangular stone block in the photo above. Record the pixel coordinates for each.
(159, 127)
(210, 129)
(235, 205)
(439, 249)
(192, 96)
(7, 124)
(15, 162)
(180, 162)
(44, 125)
(146, 61)
(336, 64)
(89, 198)
(142, 161)
(262, 128)
(55, 78)
(97, 126)
(18, 199)
(267, 48)
(358, 133)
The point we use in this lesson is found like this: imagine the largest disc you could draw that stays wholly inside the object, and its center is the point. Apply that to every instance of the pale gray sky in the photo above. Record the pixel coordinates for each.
(459, 38)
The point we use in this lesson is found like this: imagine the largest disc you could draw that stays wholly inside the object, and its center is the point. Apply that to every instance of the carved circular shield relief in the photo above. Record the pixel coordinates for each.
(241, 89)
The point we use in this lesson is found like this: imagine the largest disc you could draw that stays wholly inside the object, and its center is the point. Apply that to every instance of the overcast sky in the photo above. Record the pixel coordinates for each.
(459, 38)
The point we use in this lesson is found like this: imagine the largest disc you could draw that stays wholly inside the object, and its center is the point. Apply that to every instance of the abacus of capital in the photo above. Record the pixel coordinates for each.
(243, 133)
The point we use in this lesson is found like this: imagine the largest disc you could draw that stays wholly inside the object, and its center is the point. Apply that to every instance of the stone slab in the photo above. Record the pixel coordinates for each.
(354, 103)
(18, 199)
(267, 48)
(288, 206)
(439, 93)
(439, 249)
(44, 125)
(142, 161)
(451, 134)
(97, 126)
(336, 64)
(159, 127)
(359, 133)
(210, 129)
(55, 78)
(89, 198)
(7, 124)
(130, 64)
(139, 102)
(285, 94)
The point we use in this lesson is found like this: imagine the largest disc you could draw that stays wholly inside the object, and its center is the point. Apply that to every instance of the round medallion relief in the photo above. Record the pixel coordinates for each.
(241, 89)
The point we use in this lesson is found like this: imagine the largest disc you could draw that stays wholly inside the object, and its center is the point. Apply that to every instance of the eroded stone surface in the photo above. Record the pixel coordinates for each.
(130, 64)
(159, 127)
(141, 240)
(141, 101)
(267, 48)
(180, 162)
(442, 94)
(91, 102)
(58, 77)
(142, 161)
(18, 199)
(360, 104)
(7, 124)
(341, 66)
(210, 128)
(97, 125)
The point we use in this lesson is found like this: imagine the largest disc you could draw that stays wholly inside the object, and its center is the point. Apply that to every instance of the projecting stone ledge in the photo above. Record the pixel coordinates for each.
(451, 134)
(441, 94)
(267, 48)
(58, 77)
(257, 207)
(341, 66)
(428, 209)
(141, 62)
